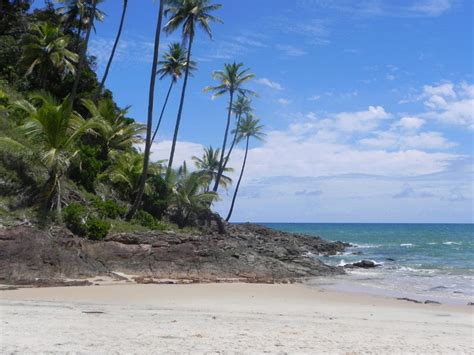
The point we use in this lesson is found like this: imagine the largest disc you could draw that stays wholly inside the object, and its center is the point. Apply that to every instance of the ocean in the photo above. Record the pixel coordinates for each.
(419, 261)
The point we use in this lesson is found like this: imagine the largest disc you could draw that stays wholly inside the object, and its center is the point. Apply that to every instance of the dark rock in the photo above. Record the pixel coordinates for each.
(389, 259)
(470, 304)
(357, 253)
(408, 299)
(431, 302)
(366, 264)
(248, 253)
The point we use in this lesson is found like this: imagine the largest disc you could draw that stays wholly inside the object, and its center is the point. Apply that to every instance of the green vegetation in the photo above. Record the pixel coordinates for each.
(69, 153)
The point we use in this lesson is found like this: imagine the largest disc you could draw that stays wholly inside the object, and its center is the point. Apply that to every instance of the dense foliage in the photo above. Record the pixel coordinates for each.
(69, 153)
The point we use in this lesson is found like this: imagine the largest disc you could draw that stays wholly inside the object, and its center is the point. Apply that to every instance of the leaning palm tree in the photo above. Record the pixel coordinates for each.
(115, 132)
(173, 64)
(249, 128)
(114, 48)
(188, 14)
(52, 130)
(45, 49)
(231, 80)
(208, 166)
(151, 97)
(242, 106)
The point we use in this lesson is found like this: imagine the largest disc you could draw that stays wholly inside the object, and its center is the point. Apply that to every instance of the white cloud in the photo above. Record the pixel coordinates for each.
(284, 102)
(450, 103)
(290, 50)
(432, 7)
(314, 98)
(361, 121)
(184, 151)
(269, 83)
(401, 140)
(409, 123)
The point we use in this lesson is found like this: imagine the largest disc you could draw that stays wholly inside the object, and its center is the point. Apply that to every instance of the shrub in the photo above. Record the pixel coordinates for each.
(75, 216)
(108, 208)
(147, 220)
(97, 228)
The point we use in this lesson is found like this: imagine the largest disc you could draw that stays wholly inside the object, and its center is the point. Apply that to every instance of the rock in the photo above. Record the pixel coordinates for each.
(357, 253)
(366, 264)
(249, 253)
(431, 302)
(408, 299)
(470, 304)
(389, 259)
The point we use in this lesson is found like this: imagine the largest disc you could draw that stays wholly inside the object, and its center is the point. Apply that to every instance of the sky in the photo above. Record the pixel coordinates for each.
(368, 105)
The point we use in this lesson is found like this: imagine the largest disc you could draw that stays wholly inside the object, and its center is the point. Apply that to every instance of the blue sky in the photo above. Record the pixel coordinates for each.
(368, 105)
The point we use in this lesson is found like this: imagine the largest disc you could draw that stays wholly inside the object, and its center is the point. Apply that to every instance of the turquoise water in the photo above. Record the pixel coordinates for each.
(421, 259)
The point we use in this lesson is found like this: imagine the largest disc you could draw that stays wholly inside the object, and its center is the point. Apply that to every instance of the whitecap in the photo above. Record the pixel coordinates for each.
(451, 243)
(408, 245)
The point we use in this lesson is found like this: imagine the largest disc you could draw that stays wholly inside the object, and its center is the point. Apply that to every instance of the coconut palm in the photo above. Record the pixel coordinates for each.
(114, 48)
(44, 49)
(151, 97)
(208, 166)
(189, 196)
(188, 14)
(249, 128)
(52, 130)
(242, 106)
(231, 81)
(77, 13)
(115, 131)
(126, 170)
(83, 51)
(172, 65)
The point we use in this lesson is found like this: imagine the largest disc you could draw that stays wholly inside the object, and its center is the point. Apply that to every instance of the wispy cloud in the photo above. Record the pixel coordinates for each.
(290, 50)
(269, 83)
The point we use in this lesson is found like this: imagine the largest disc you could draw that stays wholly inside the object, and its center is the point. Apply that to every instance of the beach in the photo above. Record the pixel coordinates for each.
(216, 318)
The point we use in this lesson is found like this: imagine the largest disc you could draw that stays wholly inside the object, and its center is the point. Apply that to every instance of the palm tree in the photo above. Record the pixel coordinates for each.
(249, 128)
(115, 131)
(208, 166)
(114, 48)
(189, 196)
(83, 52)
(126, 170)
(52, 130)
(151, 97)
(77, 13)
(172, 65)
(242, 106)
(188, 14)
(45, 48)
(231, 80)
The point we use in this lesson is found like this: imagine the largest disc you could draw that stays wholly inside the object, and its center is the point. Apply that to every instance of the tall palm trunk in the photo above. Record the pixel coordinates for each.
(162, 111)
(220, 171)
(114, 48)
(79, 32)
(180, 110)
(83, 54)
(240, 179)
(234, 141)
(151, 96)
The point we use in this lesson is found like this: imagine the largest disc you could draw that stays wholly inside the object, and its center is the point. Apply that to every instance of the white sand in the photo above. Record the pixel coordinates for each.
(225, 318)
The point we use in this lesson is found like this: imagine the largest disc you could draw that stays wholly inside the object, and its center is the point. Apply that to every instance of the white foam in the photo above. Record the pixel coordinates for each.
(408, 245)
(451, 243)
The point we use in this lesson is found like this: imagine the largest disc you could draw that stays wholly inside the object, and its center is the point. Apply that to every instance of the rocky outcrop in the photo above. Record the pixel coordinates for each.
(248, 253)
(365, 264)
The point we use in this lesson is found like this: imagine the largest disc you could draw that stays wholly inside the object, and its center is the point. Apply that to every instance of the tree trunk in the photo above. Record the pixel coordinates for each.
(109, 63)
(162, 112)
(151, 96)
(180, 110)
(238, 182)
(233, 143)
(220, 171)
(83, 54)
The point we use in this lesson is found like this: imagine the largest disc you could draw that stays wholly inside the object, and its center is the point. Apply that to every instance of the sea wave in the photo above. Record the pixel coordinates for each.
(452, 243)
(408, 245)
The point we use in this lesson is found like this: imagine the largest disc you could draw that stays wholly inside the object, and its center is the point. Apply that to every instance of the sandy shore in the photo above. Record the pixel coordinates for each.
(225, 318)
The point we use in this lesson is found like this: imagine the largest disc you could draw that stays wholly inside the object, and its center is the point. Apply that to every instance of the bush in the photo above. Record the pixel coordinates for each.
(77, 220)
(97, 228)
(147, 220)
(75, 216)
(108, 208)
